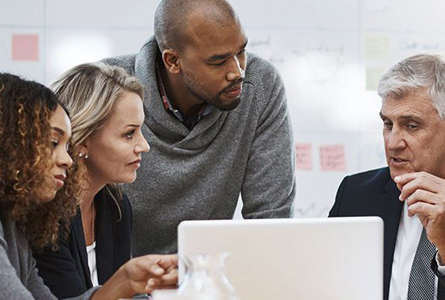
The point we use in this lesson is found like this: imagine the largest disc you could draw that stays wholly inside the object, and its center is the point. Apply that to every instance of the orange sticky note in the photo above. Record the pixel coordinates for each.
(332, 158)
(303, 154)
(25, 47)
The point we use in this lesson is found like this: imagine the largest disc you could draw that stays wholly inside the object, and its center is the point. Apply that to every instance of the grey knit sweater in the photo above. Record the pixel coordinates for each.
(18, 274)
(199, 174)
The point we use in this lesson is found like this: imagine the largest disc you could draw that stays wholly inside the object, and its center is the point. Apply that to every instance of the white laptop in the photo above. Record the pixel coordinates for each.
(289, 259)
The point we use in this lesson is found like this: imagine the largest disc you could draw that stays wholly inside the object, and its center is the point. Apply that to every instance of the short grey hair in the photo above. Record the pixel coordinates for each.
(418, 73)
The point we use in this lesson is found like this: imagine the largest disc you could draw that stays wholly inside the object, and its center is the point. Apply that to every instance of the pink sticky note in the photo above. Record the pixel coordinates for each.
(303, 156)
(25, 47)
(332, 158)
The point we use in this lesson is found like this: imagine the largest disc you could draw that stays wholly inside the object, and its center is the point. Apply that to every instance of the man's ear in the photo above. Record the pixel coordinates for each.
(171, 61)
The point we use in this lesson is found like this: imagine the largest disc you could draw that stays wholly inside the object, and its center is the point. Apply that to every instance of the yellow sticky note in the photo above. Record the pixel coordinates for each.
(376, 46)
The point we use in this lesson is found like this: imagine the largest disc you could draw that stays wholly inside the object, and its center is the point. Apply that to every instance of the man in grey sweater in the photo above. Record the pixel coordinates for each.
(217, 123)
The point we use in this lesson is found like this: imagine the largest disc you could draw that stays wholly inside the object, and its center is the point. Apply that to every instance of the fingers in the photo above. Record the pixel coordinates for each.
(166, 281)
(170, 277)
(407, 177)
(168, 262)
(422, 209)
(157, 271)
(425, 196)
(151, 272)
(150, 266)
(422, 196)
(433, 212)
(428, 206)
(411, 182)
(157, 265)
(152, 283)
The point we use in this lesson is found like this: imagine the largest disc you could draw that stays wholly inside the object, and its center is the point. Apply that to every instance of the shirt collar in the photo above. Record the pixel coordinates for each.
(189, 122)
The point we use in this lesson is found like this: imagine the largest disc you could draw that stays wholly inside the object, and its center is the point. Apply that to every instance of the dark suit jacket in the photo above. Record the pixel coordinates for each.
(374, 193)
(66, 271)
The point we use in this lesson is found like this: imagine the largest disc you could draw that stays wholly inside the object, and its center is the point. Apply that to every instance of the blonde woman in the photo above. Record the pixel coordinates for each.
(106, 110)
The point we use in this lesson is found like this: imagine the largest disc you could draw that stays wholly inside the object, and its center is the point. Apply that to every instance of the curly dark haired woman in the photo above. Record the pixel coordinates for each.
(35, 131)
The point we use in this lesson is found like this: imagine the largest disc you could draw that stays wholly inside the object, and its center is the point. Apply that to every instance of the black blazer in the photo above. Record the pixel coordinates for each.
(374, 193)
(66, 271)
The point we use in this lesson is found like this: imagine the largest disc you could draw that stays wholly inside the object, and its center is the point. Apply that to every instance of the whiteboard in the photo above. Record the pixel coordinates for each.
(330, 53)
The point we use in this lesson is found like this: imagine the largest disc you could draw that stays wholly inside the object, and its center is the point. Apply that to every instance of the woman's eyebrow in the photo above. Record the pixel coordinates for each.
(59, 130)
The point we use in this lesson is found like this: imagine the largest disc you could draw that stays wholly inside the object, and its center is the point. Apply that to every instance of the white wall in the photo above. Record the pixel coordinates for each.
(330, 53)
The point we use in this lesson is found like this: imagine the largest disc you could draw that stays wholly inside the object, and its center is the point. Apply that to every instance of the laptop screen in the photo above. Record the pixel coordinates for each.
(335, 258)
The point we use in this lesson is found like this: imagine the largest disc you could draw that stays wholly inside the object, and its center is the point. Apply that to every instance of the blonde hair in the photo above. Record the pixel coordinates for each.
(89, 92)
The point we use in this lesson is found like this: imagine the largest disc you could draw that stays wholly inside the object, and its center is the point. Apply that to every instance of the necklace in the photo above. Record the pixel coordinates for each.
(88, 221)
(93, 219)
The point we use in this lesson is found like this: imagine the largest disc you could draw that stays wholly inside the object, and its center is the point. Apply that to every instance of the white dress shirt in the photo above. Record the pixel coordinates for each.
(91, 251)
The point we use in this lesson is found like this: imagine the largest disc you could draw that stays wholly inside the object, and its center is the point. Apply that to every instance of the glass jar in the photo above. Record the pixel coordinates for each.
(205, 279)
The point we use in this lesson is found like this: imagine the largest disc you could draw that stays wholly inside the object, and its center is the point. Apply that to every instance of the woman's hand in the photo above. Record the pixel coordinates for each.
(140, 275)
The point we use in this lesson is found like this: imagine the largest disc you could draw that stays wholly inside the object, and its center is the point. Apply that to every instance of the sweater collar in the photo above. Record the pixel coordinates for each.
(160, 122)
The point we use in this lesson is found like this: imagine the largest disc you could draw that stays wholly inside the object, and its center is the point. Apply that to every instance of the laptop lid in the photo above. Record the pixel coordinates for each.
(332, 258)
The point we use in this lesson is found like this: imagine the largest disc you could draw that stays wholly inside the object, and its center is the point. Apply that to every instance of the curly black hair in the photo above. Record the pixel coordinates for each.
(26, 159)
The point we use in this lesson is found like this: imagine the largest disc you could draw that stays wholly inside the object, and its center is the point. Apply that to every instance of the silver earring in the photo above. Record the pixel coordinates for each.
(80, 155)
(86, 155)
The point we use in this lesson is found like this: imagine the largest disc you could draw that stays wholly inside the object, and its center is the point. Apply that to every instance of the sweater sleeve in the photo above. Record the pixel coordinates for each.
(11, 286)
(269, 184)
